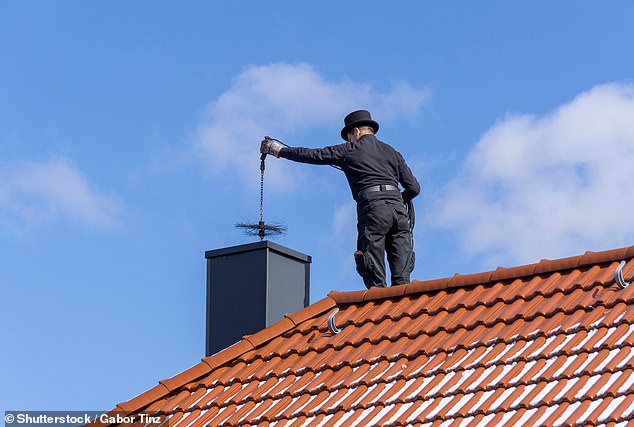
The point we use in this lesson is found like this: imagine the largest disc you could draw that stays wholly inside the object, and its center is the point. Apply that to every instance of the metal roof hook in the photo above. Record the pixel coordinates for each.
(618, 275)
(331, 322)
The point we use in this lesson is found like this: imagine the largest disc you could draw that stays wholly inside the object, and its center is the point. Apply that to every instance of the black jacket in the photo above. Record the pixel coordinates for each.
(366, 162)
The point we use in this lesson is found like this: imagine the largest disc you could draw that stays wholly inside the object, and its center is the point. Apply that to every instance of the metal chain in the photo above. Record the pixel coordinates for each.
(261, 189)
(261, 229)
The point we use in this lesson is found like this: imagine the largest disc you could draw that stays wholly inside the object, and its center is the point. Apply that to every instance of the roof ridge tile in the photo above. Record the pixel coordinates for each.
(189, 375)
(548, 265)
(504, 273)
(144, 399)
(312, 310)
(418, 286)
(460, 280)
(486, 277)
(382, 293)
(591, 257)
(231, 352)
(346, 297)
(267, 334)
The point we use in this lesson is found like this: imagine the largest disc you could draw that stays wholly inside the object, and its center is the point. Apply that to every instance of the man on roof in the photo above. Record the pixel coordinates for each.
(373, 169)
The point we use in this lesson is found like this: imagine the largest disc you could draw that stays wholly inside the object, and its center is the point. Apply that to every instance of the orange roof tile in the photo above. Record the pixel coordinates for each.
(550, 343)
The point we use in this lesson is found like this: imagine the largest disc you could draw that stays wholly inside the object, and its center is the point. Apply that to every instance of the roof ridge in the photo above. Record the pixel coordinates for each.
(497, 275)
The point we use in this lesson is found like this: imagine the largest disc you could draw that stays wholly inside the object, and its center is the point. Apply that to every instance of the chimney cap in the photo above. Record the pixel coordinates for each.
(256, 246)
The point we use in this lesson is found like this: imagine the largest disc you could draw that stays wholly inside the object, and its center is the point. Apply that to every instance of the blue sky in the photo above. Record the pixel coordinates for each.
(129, 137)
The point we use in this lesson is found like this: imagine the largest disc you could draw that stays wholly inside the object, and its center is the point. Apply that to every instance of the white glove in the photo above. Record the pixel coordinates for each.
(269, 146)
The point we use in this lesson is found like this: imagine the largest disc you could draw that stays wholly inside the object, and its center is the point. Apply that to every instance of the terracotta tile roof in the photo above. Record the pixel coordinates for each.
(550, 343)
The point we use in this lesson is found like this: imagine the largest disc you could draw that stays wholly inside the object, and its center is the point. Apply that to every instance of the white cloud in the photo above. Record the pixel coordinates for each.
(344, 220)
(33, 193)
(282, 100)
(553, 186)
(341, 241)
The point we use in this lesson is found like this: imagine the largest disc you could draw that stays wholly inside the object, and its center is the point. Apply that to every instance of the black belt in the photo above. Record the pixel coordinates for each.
(382, 187)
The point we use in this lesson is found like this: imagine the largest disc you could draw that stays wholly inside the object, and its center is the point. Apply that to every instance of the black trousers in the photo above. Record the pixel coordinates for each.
(383, 228)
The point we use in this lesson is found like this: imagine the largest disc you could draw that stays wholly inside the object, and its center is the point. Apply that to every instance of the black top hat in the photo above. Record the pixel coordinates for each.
(357, 119)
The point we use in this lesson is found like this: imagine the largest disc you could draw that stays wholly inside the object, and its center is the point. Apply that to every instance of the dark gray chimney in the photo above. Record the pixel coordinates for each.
(250, 287)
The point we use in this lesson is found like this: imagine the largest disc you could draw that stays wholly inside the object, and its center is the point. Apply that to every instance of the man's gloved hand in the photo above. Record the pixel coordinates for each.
(269, 146)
